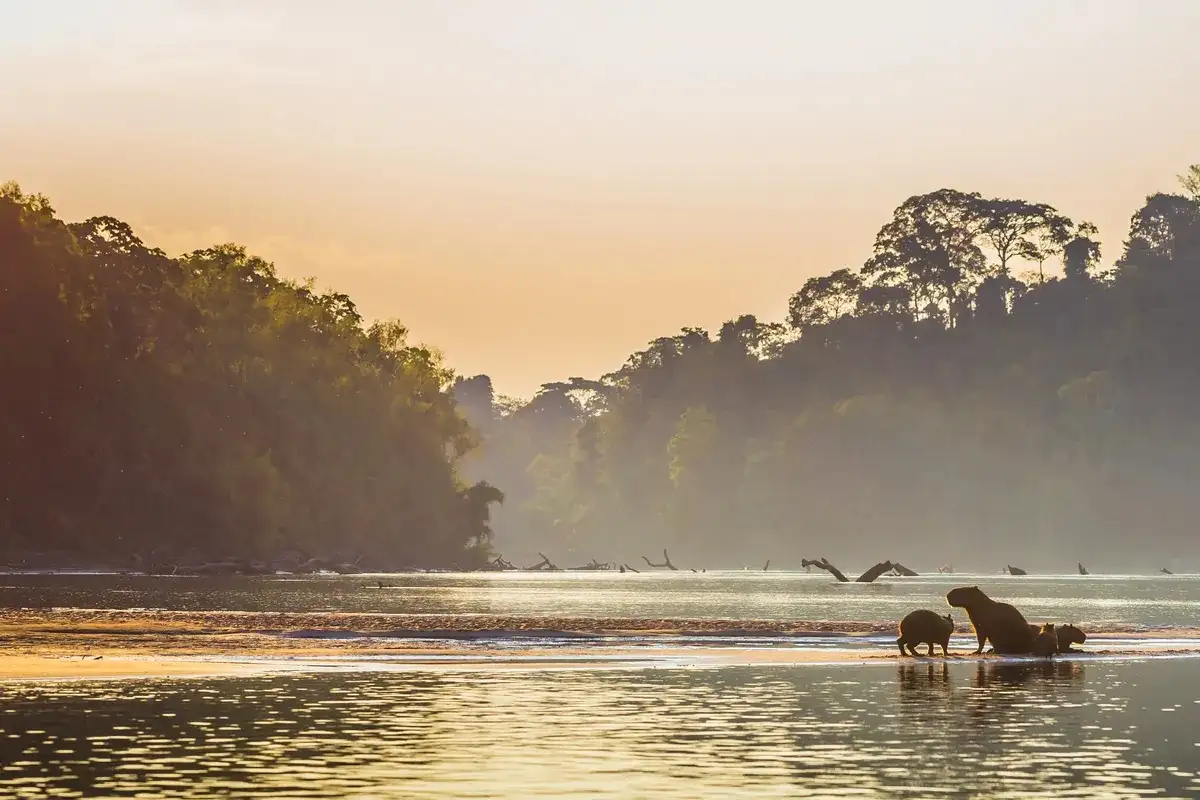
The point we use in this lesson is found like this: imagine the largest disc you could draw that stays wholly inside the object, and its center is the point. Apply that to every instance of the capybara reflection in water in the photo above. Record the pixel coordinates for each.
(925, 627)
(1001, 623)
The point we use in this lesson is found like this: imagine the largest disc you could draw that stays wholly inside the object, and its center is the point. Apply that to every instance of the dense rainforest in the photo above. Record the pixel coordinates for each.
(198, 408)
(979, 392)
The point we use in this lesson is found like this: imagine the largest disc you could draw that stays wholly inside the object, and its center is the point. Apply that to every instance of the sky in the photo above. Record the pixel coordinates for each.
(540, 187)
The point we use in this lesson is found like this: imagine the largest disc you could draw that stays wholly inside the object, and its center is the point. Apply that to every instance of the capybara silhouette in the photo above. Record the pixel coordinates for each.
(999, 622)
(925, 627)
(1045, 644)
(1069, 635)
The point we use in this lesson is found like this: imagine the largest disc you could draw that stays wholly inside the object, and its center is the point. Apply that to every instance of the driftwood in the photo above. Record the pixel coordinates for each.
(900, 569)
(545, 564)
(767, 566)
(874, 572)
(592, 566)
(1016, 570)
(348, 568)
(630, 569)
(867, 577)
(821, 563)
(1082, 569)
(666, 562)
(1166, 571)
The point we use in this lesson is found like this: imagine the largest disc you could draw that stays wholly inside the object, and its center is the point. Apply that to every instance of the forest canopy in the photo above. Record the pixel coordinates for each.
(978, 392)
(203, 407)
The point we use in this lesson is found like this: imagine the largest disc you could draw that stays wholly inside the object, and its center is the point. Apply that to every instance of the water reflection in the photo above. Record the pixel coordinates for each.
(919, 729)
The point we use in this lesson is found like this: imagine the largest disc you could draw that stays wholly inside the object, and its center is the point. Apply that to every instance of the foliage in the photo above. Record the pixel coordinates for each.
(931, 406)
(156, 406)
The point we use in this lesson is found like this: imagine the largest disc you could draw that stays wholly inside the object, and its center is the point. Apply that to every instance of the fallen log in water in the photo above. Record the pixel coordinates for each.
(666, 562)
(874, 572)
(824, 564)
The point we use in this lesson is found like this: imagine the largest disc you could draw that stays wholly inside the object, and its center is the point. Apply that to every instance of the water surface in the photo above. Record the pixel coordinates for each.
(1094, 601)
(1094, 729)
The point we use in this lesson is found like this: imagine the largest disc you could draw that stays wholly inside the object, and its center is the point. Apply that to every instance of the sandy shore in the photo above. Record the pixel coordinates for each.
(116, 665)
(43, 644)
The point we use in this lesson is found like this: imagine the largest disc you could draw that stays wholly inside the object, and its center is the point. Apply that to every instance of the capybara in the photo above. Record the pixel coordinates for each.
(1045, 644)
(925, 627)
(1069, 635)
(1001, 623)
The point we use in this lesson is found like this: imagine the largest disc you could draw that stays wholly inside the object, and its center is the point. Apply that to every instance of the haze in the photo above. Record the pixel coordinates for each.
(539, 188)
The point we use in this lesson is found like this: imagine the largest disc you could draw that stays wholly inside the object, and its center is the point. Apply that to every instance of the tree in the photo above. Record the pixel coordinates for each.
(1081, 253)
(204, 404)
(1020, 229)
(824, 299)
(930, 248)
(1190, 181)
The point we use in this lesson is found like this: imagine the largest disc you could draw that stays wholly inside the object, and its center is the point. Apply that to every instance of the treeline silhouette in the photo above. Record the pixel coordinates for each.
(932, 405)
(204, 408)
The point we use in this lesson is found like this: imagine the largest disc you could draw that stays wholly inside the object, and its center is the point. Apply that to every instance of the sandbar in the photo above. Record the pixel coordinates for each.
(39, 644)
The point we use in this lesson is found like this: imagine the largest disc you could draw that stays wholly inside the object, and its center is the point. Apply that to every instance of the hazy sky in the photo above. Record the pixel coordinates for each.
(539, 188)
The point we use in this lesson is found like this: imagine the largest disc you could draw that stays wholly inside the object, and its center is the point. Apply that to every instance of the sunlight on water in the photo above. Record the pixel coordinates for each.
(1097, 601)
(1016, 730)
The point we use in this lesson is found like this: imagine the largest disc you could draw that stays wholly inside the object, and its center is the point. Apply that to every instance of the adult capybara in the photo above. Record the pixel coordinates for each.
(925, 627)
(1045, 644)
(999, 622)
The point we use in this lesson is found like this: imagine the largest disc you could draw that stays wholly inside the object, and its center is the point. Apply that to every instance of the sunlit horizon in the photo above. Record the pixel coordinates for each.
(539, 189)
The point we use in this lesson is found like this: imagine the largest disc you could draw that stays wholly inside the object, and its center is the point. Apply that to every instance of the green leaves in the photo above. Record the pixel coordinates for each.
(205, 401)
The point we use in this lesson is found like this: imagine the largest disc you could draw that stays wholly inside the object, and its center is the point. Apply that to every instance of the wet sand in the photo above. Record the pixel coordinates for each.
(41, 643)
(115, 665)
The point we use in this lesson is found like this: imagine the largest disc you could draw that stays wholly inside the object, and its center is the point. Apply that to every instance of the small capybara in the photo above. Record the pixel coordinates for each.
(1067, 636)
(1001, 623)
(925, 627)
(1045, 644)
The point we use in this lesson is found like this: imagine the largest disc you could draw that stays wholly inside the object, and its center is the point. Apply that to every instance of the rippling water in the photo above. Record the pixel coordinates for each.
(1098, 729)
(1096, 601)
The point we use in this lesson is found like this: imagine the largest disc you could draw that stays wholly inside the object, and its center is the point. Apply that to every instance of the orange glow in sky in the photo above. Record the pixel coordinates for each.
(539, 188)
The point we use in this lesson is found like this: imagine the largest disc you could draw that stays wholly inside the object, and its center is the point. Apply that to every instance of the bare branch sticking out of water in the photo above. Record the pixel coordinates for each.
(665, 563)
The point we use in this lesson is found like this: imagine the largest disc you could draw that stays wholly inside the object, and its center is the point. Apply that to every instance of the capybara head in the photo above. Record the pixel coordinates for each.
(949, 621)
(1071, 635)
(965, 596)
(1048, 628)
